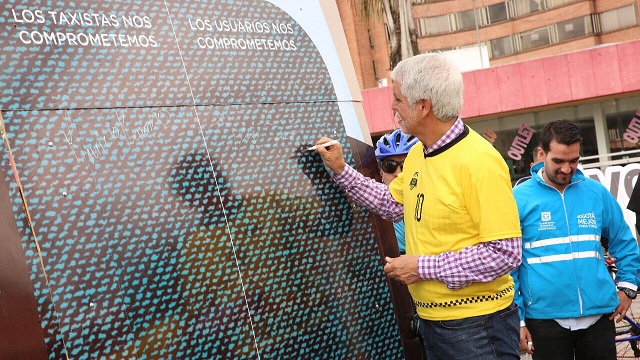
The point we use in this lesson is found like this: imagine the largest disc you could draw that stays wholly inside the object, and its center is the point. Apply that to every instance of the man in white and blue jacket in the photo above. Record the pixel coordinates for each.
(567, 298)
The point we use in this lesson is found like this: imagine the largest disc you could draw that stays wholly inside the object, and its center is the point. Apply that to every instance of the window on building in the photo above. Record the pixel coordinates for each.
(619, 114)
(501, 46)
(491, 14)
(618, 18)
(375, 70)
(535, 38)
(438, 25)
(574, 28)
(497, 12)
(465, 20)
(524, 7)
(551, 34)
(433, 25)
(589, 145)
(554, 3)
(421, 27)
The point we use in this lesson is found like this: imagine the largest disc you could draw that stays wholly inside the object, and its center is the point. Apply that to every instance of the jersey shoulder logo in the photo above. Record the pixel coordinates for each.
(414, 181)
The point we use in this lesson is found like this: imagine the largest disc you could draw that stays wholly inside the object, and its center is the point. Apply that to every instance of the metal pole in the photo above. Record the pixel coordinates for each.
(475, 17)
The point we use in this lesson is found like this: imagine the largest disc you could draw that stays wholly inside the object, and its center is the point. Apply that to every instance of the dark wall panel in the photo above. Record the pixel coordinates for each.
(21, 336)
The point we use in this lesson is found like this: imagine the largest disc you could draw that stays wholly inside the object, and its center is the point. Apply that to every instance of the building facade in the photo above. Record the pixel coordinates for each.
(549, 60)
(598, 88)
(518, 30)
(368, 43)
(511, 30)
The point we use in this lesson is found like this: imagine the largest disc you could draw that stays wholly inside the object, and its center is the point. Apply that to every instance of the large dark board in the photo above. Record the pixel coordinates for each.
(172, 210)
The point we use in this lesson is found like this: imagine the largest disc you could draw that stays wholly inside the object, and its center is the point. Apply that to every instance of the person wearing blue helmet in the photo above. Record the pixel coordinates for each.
(391, 150)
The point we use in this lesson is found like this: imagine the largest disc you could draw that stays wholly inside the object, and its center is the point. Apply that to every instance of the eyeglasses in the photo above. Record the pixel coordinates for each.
(390, 166)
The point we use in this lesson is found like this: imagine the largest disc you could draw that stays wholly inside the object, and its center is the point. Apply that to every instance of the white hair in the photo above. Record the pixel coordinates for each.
(434, 77)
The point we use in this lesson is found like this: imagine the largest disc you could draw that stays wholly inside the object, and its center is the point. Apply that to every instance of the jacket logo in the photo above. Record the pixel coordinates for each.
(587, 220)
(545, 221)
(414, 181)
(545, 216)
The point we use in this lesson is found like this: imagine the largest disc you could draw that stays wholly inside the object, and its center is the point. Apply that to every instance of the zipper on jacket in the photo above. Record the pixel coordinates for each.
(573, 264)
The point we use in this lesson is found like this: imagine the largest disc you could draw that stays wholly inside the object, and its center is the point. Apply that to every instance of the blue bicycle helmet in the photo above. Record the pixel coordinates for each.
(396, 143)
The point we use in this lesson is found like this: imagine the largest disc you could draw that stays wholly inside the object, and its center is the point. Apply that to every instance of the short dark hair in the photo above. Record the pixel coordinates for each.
(562, 131)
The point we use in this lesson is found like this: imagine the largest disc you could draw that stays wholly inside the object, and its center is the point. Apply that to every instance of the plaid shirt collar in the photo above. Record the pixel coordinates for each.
(452, 133)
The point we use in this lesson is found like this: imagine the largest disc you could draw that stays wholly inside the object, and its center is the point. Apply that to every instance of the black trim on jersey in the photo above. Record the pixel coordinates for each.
(467, 300)
(447, 146)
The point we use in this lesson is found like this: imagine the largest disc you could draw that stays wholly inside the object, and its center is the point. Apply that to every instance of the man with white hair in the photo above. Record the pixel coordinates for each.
(461, 220)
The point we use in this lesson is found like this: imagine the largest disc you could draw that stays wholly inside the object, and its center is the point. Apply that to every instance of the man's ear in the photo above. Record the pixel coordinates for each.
(425, 106)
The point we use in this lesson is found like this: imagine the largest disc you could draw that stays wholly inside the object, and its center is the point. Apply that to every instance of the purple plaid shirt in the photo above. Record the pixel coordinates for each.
(483, 262)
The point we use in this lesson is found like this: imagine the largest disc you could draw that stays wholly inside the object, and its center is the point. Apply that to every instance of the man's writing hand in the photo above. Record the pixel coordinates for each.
(331, 155)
